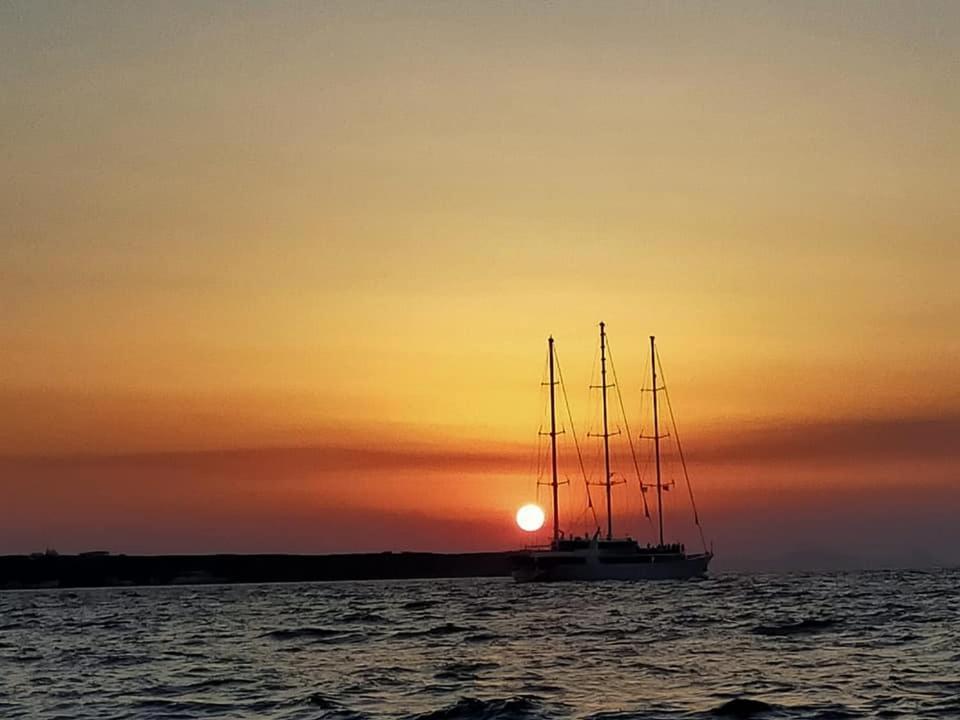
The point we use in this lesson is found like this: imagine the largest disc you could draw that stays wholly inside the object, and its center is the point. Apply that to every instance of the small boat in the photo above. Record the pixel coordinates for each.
(593, 557)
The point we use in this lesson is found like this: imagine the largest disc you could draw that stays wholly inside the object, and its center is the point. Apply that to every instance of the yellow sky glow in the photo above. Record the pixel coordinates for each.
(236, 225)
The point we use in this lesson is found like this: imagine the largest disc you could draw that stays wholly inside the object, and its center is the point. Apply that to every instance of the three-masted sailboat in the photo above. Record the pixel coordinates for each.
(608, 557)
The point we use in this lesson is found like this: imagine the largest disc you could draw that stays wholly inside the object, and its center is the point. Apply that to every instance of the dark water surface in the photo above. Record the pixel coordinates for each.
(876, 644)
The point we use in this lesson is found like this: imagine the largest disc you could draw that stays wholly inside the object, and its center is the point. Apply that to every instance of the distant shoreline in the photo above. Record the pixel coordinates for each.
(89, 570)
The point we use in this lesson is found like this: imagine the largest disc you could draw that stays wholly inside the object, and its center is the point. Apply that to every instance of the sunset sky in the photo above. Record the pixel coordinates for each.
(279, 276)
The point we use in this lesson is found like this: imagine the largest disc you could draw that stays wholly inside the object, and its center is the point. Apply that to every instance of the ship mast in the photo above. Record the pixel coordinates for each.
(606, 431)
(553, 447)
(656, 436)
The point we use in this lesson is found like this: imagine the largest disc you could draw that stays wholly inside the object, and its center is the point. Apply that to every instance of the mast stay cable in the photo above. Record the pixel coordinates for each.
(626, 426)
(576, 443)
(683, 462)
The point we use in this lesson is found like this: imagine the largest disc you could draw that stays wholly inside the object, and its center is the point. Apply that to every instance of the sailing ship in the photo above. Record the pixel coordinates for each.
(607, 557)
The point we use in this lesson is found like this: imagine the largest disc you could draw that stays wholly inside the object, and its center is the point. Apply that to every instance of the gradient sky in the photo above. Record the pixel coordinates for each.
(279, 276)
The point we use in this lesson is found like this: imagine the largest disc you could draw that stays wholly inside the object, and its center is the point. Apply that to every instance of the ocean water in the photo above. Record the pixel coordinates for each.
(873, 644)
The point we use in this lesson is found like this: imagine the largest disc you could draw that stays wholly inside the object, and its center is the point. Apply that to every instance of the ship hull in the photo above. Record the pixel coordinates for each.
(555, 567)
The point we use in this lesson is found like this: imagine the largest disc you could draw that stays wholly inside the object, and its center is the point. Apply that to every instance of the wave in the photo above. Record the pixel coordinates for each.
(166, 690)
(184, 708)
(25, 658)
(599, 631)
(464, 671)
(330, 709)
(363, 617)
(104, 624)
(116, 661)
(544, 688)
(435, 631)
(738, 708)
(316, 635)
(801, 627)
(742, 708)
(748, 708)
(420, 604)
(488, 610)
(636, 715)
(482, 637)
(654, 669)
(515, 708)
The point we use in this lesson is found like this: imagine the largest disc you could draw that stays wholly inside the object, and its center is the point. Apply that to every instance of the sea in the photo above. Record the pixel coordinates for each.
(881, 644)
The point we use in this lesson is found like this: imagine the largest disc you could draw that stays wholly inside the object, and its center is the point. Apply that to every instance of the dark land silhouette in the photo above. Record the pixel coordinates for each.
(50, 570)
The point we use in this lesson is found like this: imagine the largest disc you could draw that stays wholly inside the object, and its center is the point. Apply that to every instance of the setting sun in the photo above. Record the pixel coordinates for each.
(530, 517)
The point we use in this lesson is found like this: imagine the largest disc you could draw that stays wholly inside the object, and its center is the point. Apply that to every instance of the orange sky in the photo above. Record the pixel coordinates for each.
(282, 275)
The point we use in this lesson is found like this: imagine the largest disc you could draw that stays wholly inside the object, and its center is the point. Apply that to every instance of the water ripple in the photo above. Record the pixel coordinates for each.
(844, 645)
